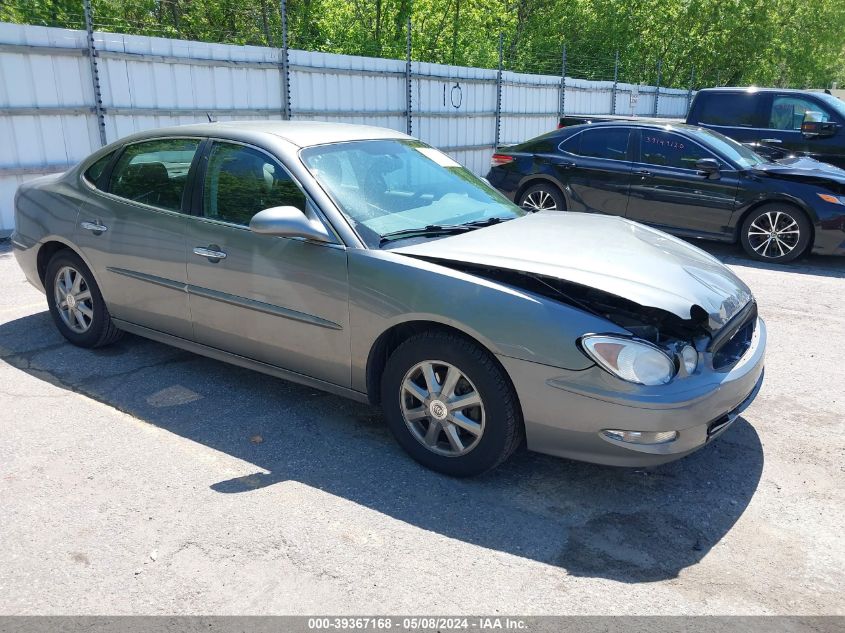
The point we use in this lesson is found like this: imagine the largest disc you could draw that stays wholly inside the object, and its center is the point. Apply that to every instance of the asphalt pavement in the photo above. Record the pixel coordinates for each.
(141, 479)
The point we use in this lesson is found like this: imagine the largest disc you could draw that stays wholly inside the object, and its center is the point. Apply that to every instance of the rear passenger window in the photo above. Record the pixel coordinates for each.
(670, 150)
(93, 173)
(601, 143)
(154, 172)
(734, 109)
(571, 144)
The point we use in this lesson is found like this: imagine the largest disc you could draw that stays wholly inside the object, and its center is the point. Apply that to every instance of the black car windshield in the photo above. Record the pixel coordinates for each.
(396, 187)
(733, 150)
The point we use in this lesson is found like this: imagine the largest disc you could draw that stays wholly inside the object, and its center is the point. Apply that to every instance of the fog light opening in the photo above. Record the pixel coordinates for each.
(641, 437)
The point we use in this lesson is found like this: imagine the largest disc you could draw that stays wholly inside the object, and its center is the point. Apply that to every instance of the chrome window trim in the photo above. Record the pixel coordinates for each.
(141, 205)
(731, 166)
(603, 127)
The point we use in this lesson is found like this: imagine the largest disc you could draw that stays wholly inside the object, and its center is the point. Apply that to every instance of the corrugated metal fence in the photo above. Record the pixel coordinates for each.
(49, 117)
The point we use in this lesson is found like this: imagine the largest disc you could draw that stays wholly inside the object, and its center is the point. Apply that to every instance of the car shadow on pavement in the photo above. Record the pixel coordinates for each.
(630, 525)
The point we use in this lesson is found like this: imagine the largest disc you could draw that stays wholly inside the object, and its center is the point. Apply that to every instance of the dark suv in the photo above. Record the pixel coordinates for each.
(776, 122)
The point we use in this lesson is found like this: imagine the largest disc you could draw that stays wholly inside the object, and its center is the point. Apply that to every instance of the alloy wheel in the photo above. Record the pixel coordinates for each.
(442, 408)
(539, 200)
(774, 234)
(73, 299)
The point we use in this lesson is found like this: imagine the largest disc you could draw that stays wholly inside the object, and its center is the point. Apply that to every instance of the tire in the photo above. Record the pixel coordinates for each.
(89, 324)
(792, 233)
(542, 197)
(496, 422)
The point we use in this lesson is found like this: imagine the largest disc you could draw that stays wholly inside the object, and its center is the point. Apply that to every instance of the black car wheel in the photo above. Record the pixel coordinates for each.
(775, 233)
(542, 197)
(450, 405)
(75, 302)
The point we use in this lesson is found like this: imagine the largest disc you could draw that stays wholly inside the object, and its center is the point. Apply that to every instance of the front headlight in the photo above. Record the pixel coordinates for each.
(634, 361)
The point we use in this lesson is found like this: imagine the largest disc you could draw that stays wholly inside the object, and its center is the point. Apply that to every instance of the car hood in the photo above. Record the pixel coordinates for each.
(607, 253)
(801, 166)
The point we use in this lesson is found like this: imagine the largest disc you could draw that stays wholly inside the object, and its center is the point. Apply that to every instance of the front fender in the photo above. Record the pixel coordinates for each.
(387, 289)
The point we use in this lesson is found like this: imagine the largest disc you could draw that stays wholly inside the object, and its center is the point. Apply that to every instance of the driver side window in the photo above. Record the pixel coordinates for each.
(788, 112)
(241, 181)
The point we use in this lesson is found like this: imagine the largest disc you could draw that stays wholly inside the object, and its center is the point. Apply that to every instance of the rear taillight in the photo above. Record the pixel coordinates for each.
(500, 159)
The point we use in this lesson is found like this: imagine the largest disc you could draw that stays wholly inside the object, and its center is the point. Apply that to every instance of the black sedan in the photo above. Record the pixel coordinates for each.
(686, 180)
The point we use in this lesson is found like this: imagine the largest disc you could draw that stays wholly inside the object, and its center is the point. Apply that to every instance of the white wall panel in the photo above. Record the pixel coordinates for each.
(452, 107)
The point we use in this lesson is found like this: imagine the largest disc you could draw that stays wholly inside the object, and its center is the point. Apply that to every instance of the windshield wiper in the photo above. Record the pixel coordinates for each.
(475, 224)
(440, 229)
(425, 231)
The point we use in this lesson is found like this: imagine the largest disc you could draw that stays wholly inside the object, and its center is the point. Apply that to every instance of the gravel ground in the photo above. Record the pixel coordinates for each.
(141, 479)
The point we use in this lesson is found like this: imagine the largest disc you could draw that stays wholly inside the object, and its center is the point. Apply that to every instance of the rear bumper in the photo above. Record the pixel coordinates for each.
(565, 411)
(26, 254)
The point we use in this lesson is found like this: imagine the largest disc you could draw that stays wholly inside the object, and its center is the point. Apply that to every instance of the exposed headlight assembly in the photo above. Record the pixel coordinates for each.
(629, 359)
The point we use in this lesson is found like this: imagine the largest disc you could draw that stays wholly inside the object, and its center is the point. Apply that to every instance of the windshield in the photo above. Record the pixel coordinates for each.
(387, 186)
(729, 148)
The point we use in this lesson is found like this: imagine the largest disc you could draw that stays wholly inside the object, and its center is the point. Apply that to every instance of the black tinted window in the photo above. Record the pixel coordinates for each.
(788, 112)
(154, 172)
(93, 173)
(241, 181)
(729, 108)
(571, 144)
(601, 143)
(669, 149)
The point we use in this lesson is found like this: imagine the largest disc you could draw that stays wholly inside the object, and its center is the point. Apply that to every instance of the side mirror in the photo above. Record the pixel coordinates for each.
(813, 127)
(710, 167)
(288, 222)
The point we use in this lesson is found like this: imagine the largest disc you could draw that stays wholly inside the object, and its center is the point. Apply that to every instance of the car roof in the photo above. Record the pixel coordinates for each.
(651, 123)
(299, 133)
(753, 89)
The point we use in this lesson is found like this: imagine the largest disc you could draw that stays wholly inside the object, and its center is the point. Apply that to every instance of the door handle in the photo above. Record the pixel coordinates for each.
(96, 227)
(776, 141)
(210, 252)
(563, 164)
(642, 172)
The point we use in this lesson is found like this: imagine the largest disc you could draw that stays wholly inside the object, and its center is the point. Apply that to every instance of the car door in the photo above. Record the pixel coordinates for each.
(595, 169)
(668, 191)
(279, 300)
(784, 114)
(132, 233)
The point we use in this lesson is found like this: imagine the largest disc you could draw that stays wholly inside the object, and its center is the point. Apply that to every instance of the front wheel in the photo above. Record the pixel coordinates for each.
(450, 405)
(776, 233)
(542, 197)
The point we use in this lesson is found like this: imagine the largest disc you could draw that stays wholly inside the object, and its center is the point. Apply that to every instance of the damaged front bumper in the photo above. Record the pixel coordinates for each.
(566, 412)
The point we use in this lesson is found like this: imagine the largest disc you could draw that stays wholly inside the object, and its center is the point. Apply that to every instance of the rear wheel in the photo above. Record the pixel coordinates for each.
(542, 197)
(450, 405)
(75, 302)
(776, 233)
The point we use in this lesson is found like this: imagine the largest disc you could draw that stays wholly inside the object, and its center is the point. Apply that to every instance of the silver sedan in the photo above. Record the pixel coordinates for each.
(361, 261)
